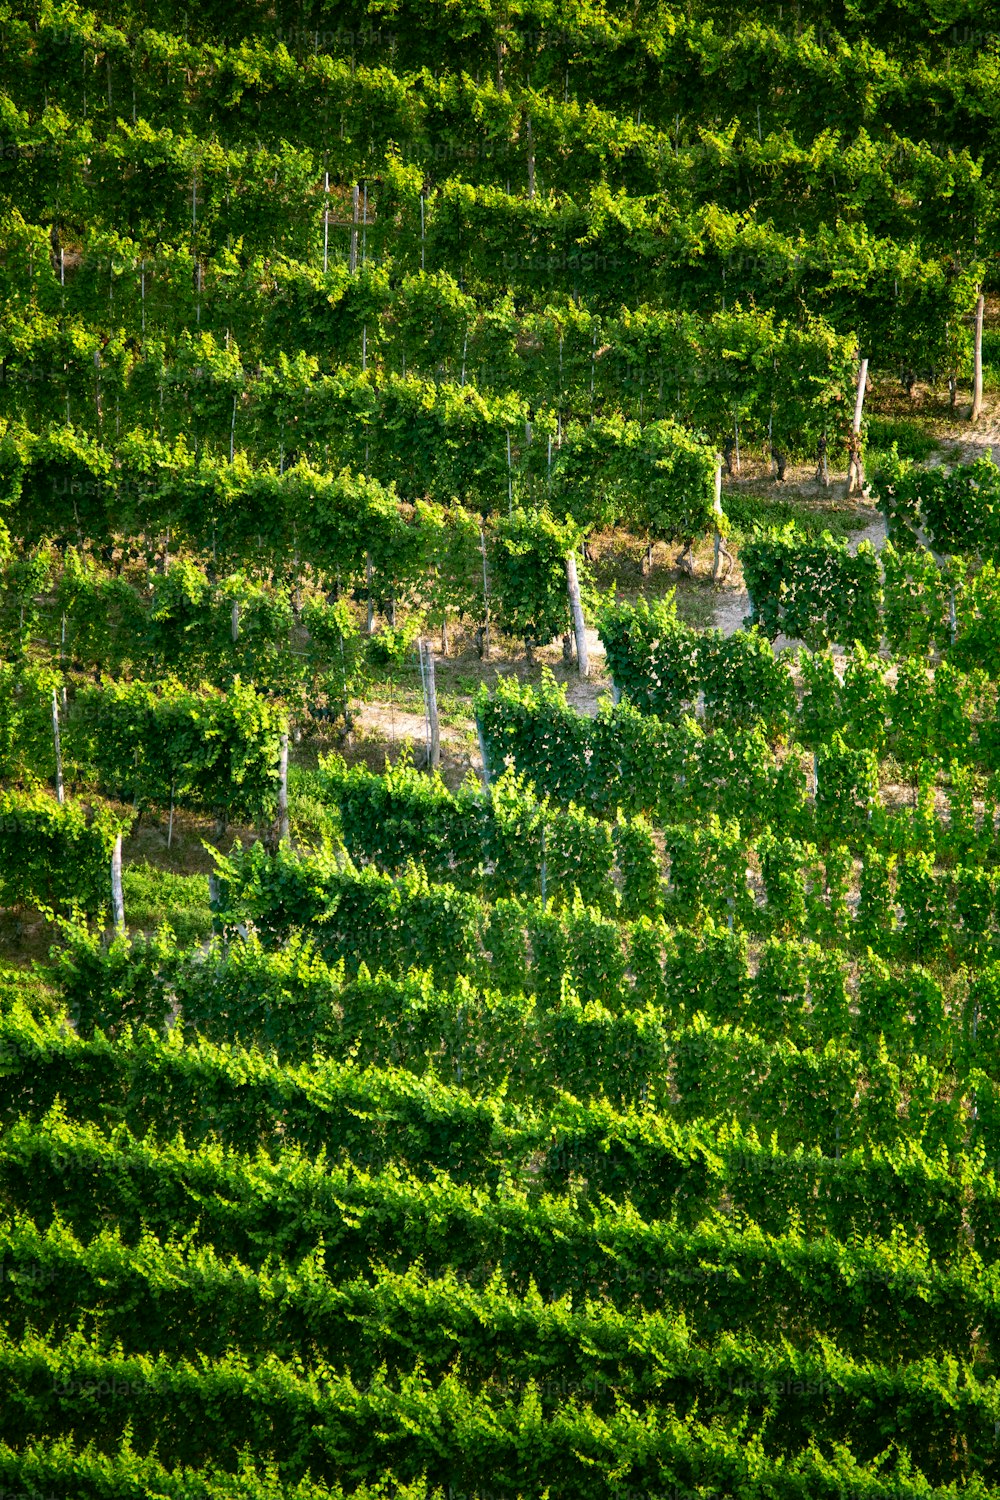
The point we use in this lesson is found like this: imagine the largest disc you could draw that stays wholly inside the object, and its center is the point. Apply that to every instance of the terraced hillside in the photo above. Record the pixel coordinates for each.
(604, 1100)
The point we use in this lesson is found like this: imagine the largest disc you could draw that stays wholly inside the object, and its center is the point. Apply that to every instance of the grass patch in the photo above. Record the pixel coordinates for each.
(28, 987)
(911, 438)
(311, 819)
(696, 601)
(991, 359)
(748, 512)
(399, 684)
(154, 896)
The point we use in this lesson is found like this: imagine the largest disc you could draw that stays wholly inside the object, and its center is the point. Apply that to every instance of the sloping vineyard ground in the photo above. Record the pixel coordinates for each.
(499, 751)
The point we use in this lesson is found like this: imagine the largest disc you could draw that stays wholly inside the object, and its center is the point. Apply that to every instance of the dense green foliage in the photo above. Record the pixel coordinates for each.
(151, 743)
(626, 1123)
(55, 856)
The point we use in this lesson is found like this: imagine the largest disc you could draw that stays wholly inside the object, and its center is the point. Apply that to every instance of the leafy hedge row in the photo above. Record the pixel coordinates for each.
(56, 855)
(151, 743)
(683, 1161)
(504, 840)
(681, 770)
(667, 668)
(889, 1293)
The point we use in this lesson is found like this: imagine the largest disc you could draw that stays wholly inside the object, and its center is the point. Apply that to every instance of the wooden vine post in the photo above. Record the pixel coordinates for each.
(353, 262)
(431, 704)
(977, 374)
(57, 742)
(326, 222)
(484, 753)
(530, 141)
(117, 894)
(283, 827)
(721, 550)
(543, 871)
(485, 653)
(579, 626)
(855, 468)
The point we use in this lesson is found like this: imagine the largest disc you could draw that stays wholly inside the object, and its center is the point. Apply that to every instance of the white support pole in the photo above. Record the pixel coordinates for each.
(977, 373)
(855, 471)
(326, 221)
(433, 727)
(486, 595)
(354, 232)
(530, 141)
(483, 753)
(579, 627)
(117, 894)
(423, 690)
(57, 742)
(859, 403)
(543, 870)
(720, 548)
(283, 789)
(214, 900)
